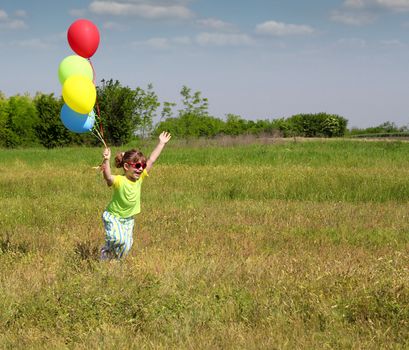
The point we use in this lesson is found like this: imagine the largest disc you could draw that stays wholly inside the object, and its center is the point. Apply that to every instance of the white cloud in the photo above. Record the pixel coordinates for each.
(394, 5)
(42, 43)
(21, 13)
(392, 43)
(361, 12)
(160, 43)
(362, 44)
(223, 39)
(33, 44)
(142, 10)
(182, 40)
(283, 29)
(350, 18)
(216, 24)
(157, 2)
(16, 24)
(114, 26)
(8, 23)
(351, 43)
(13, 24)
(202, 39)
(3, 15)
(354, 3)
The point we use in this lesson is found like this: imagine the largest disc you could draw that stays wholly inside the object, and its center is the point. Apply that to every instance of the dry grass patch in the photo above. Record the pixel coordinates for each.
(266, 246)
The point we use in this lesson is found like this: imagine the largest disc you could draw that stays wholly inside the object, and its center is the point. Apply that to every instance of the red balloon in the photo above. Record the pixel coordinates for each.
(83, 37)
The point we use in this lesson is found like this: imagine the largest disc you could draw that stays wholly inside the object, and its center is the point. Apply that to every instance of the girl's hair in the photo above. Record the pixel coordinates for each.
(131, 156)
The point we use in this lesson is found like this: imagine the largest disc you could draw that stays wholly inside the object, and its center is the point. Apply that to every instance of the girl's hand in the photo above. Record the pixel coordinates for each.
(164, 137)
(107, 154)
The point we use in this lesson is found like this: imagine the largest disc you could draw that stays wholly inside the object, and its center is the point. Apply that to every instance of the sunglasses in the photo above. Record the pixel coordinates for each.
(137, 165)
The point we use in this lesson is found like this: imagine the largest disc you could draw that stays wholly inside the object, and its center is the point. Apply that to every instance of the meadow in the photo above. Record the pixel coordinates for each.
(285, 245)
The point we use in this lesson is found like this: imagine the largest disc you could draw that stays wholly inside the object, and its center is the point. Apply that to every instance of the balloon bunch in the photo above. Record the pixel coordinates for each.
(76, 75)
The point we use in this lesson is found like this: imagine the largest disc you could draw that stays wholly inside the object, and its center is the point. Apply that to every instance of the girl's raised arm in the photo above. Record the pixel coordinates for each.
(106, 167)
(164, 138)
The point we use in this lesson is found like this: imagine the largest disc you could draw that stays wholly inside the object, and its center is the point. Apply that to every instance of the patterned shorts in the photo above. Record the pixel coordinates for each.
(118, 236)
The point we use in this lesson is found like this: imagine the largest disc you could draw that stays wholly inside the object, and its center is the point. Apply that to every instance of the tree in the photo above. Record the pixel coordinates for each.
(3, 119)
(117, 105)
(167, 111)
(319, 124)
(50, 130)
(21, 120)
(235, 125)
(333, 126)
(124, 111)
(146, 106)
(193, 120)
(193, 104)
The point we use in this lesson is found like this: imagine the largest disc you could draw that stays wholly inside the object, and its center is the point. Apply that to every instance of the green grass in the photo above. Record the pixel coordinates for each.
(275, 246)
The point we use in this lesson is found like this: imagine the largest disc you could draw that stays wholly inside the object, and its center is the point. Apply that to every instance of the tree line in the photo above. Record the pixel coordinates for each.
(125, 114)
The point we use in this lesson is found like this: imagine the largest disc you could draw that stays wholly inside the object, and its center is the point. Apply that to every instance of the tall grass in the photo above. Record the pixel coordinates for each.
(285, 245)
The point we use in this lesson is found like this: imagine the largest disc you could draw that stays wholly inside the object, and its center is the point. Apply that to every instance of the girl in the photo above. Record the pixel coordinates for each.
(118, 215)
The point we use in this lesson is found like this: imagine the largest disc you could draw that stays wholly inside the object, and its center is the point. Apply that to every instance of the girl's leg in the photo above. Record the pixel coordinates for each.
(115, 236)
(128, 227)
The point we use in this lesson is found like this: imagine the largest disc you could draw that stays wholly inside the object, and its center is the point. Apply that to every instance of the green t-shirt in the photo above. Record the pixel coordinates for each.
(126, 199)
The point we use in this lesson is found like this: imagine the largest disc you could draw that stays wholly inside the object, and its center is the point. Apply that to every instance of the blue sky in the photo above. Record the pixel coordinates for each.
(259, 59)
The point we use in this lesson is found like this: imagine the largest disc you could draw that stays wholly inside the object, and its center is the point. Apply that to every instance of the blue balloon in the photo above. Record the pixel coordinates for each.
(77, 122)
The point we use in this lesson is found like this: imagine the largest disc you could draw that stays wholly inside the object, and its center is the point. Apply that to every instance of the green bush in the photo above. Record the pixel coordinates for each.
(21, 118)
(320, 124)
(50, 130)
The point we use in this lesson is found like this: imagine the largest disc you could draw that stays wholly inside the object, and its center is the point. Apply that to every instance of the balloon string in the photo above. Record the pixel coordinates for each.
(101, 129)
(98, 133)
(99, 136)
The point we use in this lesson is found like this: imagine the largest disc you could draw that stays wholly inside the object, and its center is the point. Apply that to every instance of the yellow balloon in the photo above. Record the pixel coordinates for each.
(79, 93)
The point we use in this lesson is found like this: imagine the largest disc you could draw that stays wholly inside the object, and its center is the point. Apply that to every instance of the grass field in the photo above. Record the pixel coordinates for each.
(290, 245)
